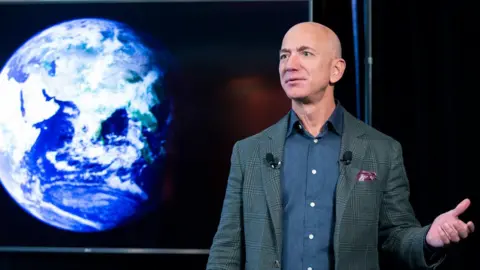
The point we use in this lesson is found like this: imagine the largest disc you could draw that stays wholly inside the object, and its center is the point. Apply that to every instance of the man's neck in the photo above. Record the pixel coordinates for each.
(313, 116)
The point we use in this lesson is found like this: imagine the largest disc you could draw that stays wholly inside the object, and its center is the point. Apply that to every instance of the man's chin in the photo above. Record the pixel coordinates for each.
(297, 94)
(303, 95)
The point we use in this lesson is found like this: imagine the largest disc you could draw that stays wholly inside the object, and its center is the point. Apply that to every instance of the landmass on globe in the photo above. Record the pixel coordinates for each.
(82, 125)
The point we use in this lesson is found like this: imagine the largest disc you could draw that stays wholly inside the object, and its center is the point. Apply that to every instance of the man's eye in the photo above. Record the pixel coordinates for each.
(282, 56)
(306, 53)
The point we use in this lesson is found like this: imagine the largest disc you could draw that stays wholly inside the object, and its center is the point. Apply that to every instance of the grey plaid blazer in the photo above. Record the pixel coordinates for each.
(371, 216)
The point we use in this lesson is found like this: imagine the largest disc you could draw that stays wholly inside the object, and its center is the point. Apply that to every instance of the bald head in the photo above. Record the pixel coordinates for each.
(310, 61)
(317, 34)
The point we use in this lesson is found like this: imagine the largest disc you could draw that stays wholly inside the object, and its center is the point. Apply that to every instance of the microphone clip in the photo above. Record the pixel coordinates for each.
(347, 158)
(276, 165)
(273, 162)
(345, 161)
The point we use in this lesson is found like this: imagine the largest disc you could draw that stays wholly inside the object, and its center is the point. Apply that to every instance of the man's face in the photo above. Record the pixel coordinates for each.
(305, 64)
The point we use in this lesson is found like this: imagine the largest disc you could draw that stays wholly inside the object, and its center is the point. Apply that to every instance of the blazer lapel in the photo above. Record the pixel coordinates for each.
(351, 141)
(273, 143)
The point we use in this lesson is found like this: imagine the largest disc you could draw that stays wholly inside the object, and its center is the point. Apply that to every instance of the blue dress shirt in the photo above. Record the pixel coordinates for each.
(309, 179)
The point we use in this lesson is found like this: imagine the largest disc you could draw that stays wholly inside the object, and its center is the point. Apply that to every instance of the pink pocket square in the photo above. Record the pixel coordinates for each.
(363, 176)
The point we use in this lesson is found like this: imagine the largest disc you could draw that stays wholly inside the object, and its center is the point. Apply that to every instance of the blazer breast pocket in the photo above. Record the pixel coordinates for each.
(366, 196)
(367, 188)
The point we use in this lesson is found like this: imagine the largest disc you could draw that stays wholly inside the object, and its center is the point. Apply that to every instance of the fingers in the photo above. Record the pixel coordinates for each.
(443, 236)
(457, 230)
(462, 228)
(471, 227)
(451, 232)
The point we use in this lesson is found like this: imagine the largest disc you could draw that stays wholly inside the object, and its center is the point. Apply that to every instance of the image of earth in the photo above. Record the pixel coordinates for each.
(83, 121)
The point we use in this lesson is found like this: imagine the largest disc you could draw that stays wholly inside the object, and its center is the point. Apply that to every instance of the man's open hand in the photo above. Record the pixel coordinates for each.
(448, 228)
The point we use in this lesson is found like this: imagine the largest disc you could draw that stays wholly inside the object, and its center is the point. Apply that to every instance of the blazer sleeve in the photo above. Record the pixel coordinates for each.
(400, 233)
(227, 248)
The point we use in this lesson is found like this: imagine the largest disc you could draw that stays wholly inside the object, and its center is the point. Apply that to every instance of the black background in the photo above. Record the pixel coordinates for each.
(424, 82)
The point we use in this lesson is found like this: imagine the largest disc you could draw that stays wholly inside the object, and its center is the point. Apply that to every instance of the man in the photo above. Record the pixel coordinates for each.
(320, 189)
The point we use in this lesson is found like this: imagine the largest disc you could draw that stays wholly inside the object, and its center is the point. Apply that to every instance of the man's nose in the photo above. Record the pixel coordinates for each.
(292, 63)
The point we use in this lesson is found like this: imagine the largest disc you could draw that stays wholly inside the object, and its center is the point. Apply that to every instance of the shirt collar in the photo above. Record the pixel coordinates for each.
(334, 122)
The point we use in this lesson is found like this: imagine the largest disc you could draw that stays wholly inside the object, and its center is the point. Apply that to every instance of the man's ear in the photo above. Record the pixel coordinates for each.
(338, 68)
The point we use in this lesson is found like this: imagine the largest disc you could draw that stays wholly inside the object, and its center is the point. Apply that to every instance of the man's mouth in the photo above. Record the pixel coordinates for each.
(292, 80)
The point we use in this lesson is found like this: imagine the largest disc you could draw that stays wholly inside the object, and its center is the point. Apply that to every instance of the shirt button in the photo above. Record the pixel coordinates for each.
(315, 140)
(309, 268)
(314, 171)
(310, 236)
(312, 204)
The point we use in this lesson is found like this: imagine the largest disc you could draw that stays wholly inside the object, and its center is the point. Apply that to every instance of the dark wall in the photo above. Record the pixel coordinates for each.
(422, 96)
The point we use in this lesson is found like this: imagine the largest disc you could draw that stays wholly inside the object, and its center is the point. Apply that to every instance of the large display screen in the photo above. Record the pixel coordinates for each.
(117, 120)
